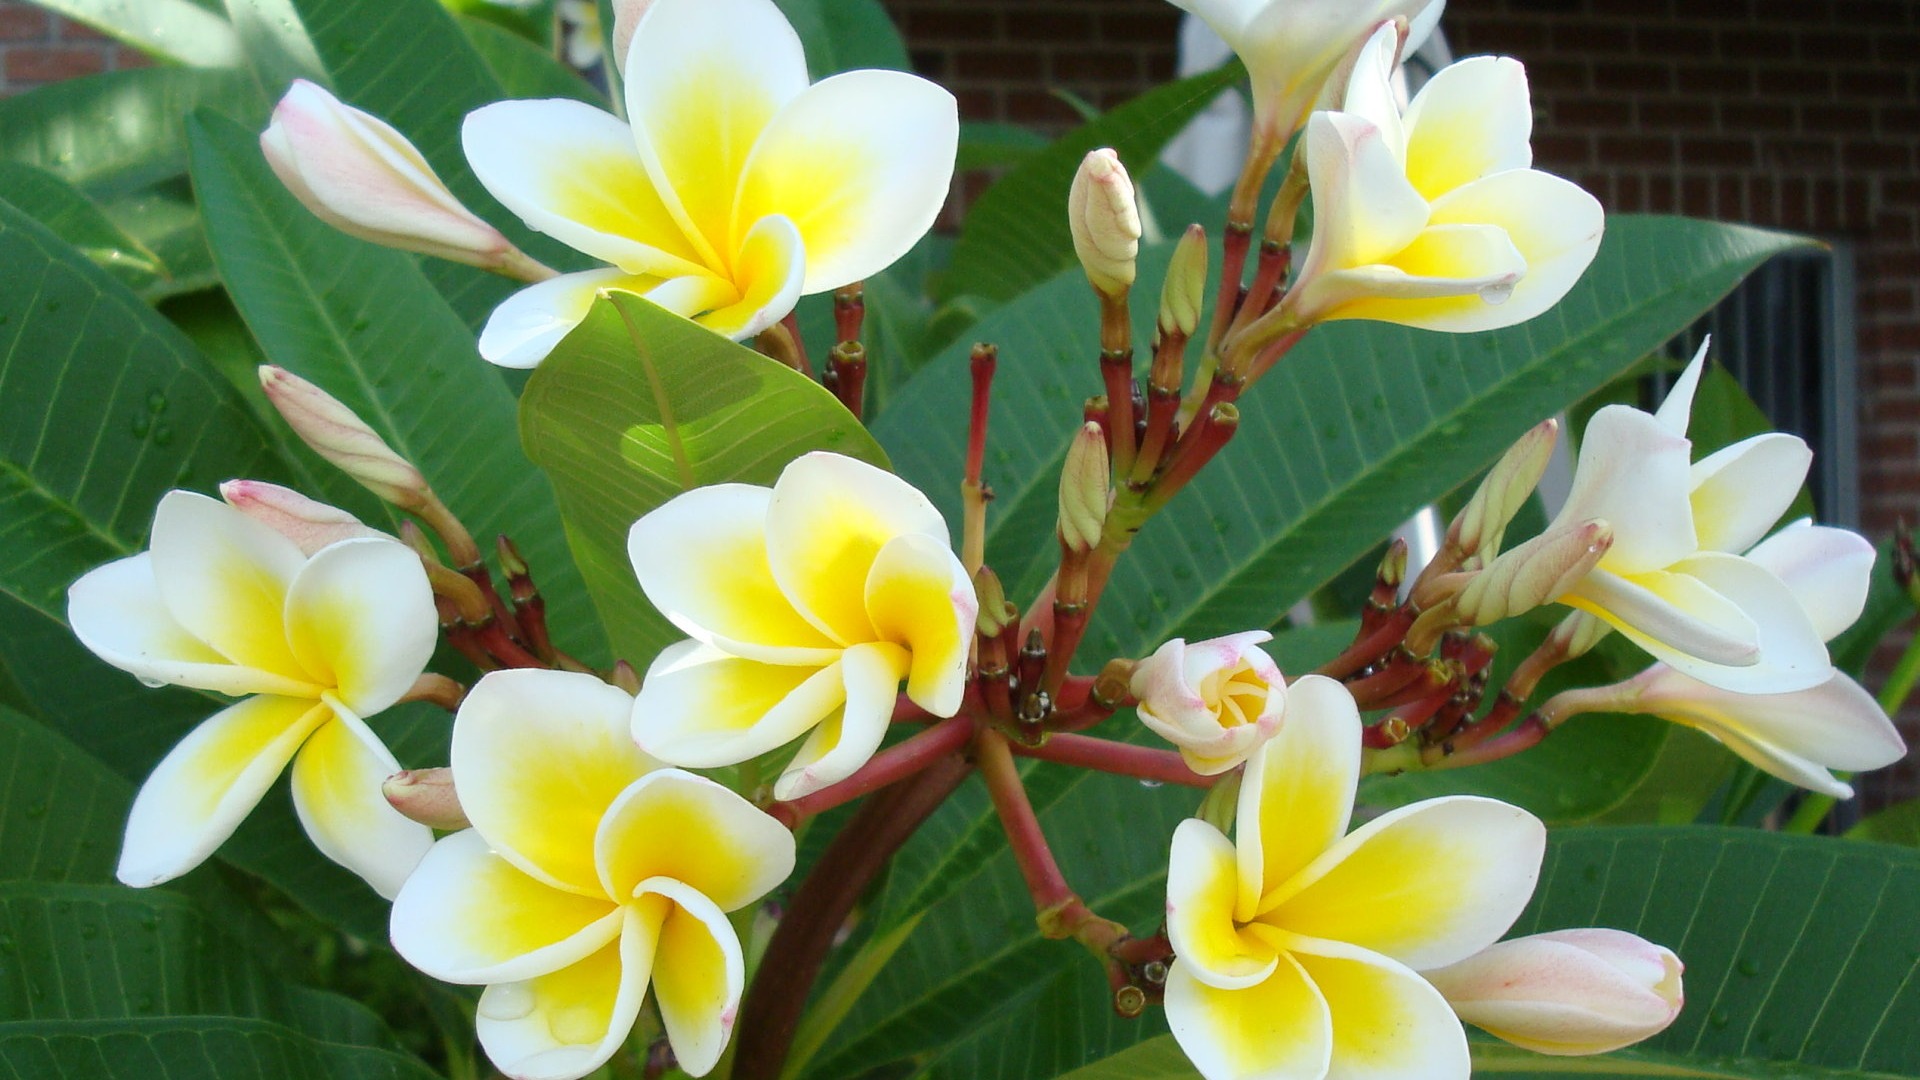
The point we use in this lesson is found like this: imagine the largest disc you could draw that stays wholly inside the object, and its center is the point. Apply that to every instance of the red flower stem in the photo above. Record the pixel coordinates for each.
(770, 1014)
(849, 311)
(1085, 702)
(1268, 271)
(973, 493)
(847, 371)
(477, 573)
(792, 326)
(1370, 646)
(897, 762)
(1234, 245)
(493, 638)
(1526, 735)
(1116, 370)
(1118, 758)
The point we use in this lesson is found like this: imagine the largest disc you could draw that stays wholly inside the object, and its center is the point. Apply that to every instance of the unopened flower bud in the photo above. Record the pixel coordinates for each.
(1482, 524)
(307, 522)
(996, 613)
(426, 796)
(335, 433)
(626, 16)
(1535, 573)
(1567, 992)
(361, 176)
(1084, 490)
(1105, 222)
(1216, 700)
(1186, 286)
(1577, 634)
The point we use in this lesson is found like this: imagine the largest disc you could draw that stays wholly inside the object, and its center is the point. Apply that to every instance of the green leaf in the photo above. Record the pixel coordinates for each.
(191, 1048)
(364, 324)
(638, 405)
(73, 217)
(1016, 236)
(843, 35)
(524, 69)
(1156, 1059)
(179, 30)
(1897, 824)
(989, 144)
(1888, 606)
(61, 812)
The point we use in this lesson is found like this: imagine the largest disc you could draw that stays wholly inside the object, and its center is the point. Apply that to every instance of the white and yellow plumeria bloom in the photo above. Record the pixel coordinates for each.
(591, 875)
(1800, 735)
(1674, 581)
(1298, 947)
(1435, 218)
(737, 189)
(1292, 47)
(807, 603)
(311, 644)
(1217, 700)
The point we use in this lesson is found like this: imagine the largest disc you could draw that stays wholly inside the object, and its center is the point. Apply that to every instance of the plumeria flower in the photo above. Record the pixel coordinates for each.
(1674, 581)
(807, 603)
(581, 34)
(1567, 992)
(591, 875)
(1797, 736)
(738, 188)
(1292, 47)
(1434, 218)
(1299, 947)
(311, 644)
(1216, 700)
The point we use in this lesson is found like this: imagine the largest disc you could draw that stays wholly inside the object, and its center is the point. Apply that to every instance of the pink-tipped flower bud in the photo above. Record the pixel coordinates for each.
(1535, 573)
(307, 522)
(1105, 222)
(335, 433)
(361, 176)
(1216, 700)
(426, 796)
(1186, 286)
(1480, 527)
(1085, 490)
(1568, 992)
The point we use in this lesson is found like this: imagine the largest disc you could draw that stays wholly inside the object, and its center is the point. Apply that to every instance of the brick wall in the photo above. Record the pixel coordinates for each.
(37, 48)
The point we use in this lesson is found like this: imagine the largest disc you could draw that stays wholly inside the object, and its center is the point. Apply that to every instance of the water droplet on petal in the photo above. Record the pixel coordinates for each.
(1497, 293)
(507, 1001)
(152, 683)
(1150, 783)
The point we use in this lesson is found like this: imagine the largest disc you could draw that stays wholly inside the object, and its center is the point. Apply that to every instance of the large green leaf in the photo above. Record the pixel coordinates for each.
(842, 35)
(524, 69)
(364, 324)
(73, 217)
(191, 1048)
(638, 405)
(1897, 824)
(1016, 235)
(180, 30)
(61, 812)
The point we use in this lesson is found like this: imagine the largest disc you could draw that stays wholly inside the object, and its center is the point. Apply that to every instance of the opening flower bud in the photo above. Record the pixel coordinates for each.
(358, 174)
(1535, 573)
(1084, 490)
(426, 796)
(309, 523)
(1186, 285)
(1105, 222)
(1216, 700)
(626, 16)
(1567, 992)
(337, 434)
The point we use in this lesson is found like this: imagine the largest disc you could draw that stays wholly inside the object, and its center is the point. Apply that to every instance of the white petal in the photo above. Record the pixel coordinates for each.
(1365, 211)
(527, 325)
(537, 757)
(117, 612)
(673, 824)
(1202, 889)
(1388, 1023)
(573, 172)
(1278, 1029)
(829, 518)
(567, 1023)
(224, 578)
(336, 793)
(704, 80)
(1297, 793)
(1740, 492)
(1792, 654)
(702, 708)
(919, 596)
(702, 561)
(861, 162)
(1225, 17)
(468, 916)
(360, 617)
(201, 790)
(699, 973)
(1633, 474)
(1676, 411)
(845, 741)
(1670, 615)
(1828, 570)
(1472, 119)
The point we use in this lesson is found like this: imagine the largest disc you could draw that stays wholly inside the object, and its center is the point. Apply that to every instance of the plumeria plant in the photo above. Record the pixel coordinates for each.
(713, 622)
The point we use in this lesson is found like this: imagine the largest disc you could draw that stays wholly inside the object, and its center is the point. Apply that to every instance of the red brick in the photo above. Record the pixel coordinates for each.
(51, 63)
(20, 23)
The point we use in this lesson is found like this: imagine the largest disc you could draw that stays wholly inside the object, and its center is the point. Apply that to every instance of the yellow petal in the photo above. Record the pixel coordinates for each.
(673, 824)
(1446, 274)
(360, 617)
(1472, 119)
(1278, 1029)
(1202, 886)
(768, 273)
(1553, 224)
(829, 518)
(1427, 884)
(1364, 209)
(1298, 790)
(702, 708)
(336, 793)
(1388, 1023)
(564, 1025)
(198, 793)
(699, 973)
(919, 596)
(538, 756)
(845, 740)
(702, 560)
(861, 163)
(466, 915)
(224, 578)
